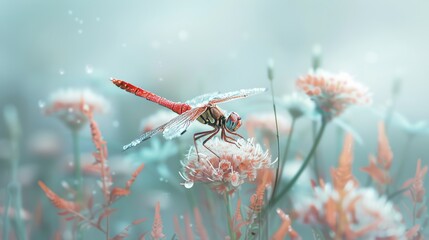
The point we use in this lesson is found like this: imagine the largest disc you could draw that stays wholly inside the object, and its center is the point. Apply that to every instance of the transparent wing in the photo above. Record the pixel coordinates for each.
(175, 127)
(202, 99)
(225, 97)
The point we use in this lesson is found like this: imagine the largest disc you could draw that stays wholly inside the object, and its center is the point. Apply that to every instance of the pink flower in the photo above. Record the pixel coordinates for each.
(71, 104)
(227, 172)
(351, 213)
(333, 93)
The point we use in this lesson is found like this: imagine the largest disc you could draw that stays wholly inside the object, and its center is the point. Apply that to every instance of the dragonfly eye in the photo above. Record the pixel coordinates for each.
(233, 122)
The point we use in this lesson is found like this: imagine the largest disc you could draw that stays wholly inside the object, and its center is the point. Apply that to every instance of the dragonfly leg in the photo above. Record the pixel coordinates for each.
(228, 139)
(214, 132)
(238, 135)
(200, 135)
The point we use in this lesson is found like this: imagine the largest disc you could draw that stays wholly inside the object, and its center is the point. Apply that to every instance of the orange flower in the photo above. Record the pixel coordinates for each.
(416, 183)
(333, 93)
(343, 174)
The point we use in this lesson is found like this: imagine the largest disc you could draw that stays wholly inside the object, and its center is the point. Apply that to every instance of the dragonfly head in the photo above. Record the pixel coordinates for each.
(233, 122)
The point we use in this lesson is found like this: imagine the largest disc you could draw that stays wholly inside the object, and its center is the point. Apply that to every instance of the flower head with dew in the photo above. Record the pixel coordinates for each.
(227, 172)
(333, 93)
(69, 106)
(351, 213)
(298, 105)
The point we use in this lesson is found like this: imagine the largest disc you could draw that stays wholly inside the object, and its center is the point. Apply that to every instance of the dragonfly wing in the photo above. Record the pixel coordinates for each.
(202, 99)
(225, 97)
(145, 136)
(175, 127)
(178, 125)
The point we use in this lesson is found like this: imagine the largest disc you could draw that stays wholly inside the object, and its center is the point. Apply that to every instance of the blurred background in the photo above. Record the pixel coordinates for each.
(181, 49)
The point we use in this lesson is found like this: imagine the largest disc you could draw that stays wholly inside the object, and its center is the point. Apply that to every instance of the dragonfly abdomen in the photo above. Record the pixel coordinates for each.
(178, 108)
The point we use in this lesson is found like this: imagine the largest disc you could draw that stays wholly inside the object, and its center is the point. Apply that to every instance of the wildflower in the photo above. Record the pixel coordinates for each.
(227, 172)
(351, 213)
(416, 183)
(285, 228)
(266, 122)
(298, 105)
(157, 224)
(69, 106)
(346, 211)
(379, 167)
(333, 93)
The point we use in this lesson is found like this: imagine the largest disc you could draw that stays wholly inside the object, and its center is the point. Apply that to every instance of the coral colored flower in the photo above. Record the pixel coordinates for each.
(70, 106)
(351, 213)
(285, 228)
(233, 167)
(266, 122)
(333, 93)
(416, 183)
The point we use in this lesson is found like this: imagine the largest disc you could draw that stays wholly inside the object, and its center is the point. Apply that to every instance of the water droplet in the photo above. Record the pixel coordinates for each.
(115, 123)
(80, 31)
(70, 12)
(183, 35)
(188, 184)
(81, 21)
(161, 79)
(97, 19)
(61, 71)
(124, 45)
(41, 104)
(76, 19)
(161, 179)
(89, 69)
(181, 216)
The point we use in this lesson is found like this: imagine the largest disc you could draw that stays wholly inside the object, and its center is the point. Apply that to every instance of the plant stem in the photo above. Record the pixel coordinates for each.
(77, 166)
(286, 152)
(229, 218)
(316, 160)
(277, 135)
(295, 178)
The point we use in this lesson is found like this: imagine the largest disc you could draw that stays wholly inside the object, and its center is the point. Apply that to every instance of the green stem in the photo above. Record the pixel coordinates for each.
(77, 166)
(229, 217)
(316, 160)
(286, 152)
(295, 178)
(277, 136)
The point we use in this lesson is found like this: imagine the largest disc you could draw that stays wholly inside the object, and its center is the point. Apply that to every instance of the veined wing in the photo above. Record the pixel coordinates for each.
(174, 128)
(202, 99)
(225, 97)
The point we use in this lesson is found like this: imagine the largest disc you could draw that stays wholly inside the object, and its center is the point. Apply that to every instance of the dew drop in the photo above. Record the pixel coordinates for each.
(89, 69)
(79, 31)
(85, 107)
(115, 123)
(76, 19)
(61, 71)
(80, 21)
(161, 79)
(41, 104)
(188, 184)
(97, 19)
(70, 12)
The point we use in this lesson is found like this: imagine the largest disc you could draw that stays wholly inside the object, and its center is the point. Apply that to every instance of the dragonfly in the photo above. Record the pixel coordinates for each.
(202, 108)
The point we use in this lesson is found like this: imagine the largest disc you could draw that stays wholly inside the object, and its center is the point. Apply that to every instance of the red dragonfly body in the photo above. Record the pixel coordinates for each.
(202, 108)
